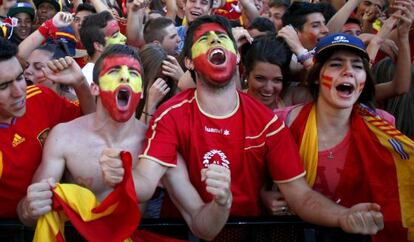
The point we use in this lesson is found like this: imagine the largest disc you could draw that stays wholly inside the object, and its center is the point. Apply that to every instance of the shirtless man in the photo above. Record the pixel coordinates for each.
(77, 145)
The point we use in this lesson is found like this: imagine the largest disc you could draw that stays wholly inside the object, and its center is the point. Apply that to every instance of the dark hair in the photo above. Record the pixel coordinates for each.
(91, 30)
(8, 49)
(368, 93)
(85, 7)
(156, 5)
(296, 14)
(154, 29)
(263, 25)
(152, 56)
(189, 39)
(352, 20)
(114, 50)
(279, 3)
(55, 51)
(211, 2)
(269, 49)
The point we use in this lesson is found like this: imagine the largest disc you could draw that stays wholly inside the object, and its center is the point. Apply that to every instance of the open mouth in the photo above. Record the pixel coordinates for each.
(217, 57)
(123, 98)
(345, 88)
(197, 14)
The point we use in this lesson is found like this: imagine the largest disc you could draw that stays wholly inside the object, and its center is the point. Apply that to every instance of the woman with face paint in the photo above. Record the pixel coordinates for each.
(347, 146)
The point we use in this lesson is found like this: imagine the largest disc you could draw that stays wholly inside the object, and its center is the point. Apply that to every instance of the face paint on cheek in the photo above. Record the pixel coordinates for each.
(327, 81)
(213, 53)
(121, 103)
(117, 61)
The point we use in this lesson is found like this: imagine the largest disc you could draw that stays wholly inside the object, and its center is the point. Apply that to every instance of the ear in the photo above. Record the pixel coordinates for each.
(98, 47)
(189, 64)
(94, 89)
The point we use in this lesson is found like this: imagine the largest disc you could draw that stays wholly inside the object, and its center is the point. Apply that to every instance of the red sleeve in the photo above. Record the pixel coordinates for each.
(283, 154)
(62, 109)
(161, 139)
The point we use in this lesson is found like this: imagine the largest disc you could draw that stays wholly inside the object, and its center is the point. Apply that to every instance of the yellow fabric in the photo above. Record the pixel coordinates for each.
(404, 167)
(310, 139)
(80, 199)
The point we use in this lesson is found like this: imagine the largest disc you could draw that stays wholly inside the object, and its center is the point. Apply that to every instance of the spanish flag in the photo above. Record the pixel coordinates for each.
(379, 167)
(113, 220)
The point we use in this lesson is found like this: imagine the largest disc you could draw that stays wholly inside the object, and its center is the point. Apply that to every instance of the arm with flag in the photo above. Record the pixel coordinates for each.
(114, 219)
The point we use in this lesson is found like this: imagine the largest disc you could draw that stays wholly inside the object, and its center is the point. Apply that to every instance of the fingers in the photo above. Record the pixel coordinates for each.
(171, 68)
(159, 88)
(364, 218)
(62, 19)
(112, 167)
(39, 198)
(217, 180)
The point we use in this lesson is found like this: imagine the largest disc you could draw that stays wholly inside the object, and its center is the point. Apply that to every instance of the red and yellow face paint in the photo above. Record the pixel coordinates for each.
(213, 53)
(120, 86)
(113, 34)
(326, 81)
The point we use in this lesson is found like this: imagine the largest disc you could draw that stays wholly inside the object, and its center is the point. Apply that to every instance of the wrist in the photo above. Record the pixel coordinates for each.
(305, 56)
(226, 204)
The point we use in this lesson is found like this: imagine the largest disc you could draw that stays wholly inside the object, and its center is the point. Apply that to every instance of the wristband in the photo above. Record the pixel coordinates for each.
(305, 56)
(48, 29)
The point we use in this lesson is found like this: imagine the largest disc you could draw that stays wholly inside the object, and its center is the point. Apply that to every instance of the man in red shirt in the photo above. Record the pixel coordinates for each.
(214, 126)
(26, 116)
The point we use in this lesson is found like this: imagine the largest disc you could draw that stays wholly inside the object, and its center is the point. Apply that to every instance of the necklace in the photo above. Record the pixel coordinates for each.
(330, 155)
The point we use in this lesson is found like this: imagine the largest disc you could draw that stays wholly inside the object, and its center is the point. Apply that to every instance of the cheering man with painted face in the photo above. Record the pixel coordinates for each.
(217, 126)
(73, 149)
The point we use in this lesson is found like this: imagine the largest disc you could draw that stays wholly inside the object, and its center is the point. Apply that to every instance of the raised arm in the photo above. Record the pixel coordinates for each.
(38, 199)
(337, 21)
(67, 71)
(171, 6)
(402, 77)
(135, 23)
(364, 218)
(204, 219)
(251, 11)
(46, 30)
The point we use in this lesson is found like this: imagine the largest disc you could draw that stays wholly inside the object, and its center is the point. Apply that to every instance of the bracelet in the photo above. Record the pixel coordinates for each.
(48, 29)
(147, 114)
(305, 56)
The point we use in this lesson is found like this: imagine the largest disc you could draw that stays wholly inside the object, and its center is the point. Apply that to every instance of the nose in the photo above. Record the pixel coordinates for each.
(348, 70)
(18, 89)
(213, 38)
(325, 29)
(124, 74)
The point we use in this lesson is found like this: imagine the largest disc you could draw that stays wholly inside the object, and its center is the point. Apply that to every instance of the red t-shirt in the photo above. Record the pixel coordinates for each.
(22, 142)
(250, 142)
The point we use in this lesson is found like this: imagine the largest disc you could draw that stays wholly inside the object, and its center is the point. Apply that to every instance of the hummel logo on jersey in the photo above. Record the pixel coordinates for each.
(17, 140)
(217, 131)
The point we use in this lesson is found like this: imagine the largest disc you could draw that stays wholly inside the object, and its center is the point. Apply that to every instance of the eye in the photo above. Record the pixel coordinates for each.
(278, 80)
(335, 64)
(134, 73)
(202, 38)
(115, 35)
(4, 85)
(113, 71)
(222, 36)
(20, 78)
(260, 78)
(358, 66)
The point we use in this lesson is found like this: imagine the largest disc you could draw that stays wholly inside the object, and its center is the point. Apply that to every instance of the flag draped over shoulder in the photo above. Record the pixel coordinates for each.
(379, 166)
(113, 220)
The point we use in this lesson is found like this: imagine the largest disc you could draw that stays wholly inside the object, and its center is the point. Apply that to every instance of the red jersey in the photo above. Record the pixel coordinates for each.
(251, 141)
(22, 142)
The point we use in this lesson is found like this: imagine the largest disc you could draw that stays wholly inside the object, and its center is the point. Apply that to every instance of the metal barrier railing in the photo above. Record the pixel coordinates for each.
(249, 229)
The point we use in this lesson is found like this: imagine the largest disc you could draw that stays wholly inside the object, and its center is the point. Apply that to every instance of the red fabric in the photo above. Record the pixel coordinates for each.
(228, 11)
(48, 29)
(44, 110)
(121, 223)
(362, 179)
(239, 141)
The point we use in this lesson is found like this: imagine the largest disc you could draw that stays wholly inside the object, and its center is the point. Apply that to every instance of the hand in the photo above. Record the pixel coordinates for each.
(371, 13)
(171, 68)
(112, 167)
(289, 34)
(39, 198)
(217, 179)
(390, 49)
(65, 71)
(156, 93)
(363, 218)
(62, 19)
(274, 202)
(242, 36)
(135, 5)
(405, 15)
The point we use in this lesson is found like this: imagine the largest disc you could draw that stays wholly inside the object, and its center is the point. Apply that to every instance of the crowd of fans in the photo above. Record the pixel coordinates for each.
(228, 108)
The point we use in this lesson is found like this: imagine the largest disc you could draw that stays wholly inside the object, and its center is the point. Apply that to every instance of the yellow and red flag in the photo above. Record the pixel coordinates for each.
(113, 220)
